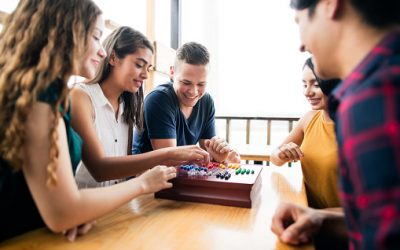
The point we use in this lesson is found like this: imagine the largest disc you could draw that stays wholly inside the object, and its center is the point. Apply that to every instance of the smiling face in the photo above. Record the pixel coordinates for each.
(95, 51)
(129, 73)
(190, 83)
(312, 91)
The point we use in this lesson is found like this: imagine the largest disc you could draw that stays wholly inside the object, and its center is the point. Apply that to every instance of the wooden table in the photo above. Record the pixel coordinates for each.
(148, 223)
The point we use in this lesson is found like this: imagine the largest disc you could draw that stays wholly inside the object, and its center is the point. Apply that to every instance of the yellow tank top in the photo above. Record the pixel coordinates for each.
(319, 163)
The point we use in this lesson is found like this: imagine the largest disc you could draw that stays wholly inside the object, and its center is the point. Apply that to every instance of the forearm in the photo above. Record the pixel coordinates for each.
(90, 204)
(111, 168)
(334, 223)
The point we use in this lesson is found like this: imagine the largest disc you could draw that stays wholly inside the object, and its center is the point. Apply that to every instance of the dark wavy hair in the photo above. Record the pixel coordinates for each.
(124, 41)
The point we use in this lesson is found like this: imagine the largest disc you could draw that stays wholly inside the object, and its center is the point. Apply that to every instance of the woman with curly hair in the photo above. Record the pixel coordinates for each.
(42, 44)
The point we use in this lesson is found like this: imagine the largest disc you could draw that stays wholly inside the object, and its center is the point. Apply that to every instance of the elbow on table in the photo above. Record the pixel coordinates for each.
(57, 225)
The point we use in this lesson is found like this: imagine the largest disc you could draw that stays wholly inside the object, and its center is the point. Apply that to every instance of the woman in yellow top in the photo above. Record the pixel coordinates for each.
(313, 142)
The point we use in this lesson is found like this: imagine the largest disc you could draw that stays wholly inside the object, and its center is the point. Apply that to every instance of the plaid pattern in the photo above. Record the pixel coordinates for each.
(366, 109)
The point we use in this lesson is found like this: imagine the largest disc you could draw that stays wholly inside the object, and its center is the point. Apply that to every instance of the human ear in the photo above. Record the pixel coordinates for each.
(113, 59)
(333, 8)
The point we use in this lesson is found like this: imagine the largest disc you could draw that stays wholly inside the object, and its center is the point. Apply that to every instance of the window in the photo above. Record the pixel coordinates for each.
(255, 61)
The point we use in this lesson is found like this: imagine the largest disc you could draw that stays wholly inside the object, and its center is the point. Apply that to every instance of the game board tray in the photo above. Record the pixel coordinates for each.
(240, 190)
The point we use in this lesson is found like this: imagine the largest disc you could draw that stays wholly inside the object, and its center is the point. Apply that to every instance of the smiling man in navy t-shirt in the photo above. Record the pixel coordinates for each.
(182, 113)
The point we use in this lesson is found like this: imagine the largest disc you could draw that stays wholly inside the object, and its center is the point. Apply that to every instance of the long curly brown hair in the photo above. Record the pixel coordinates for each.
(41, 41)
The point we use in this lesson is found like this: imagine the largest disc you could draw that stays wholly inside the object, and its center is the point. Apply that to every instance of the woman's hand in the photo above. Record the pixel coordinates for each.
(156, 179)
(72, 233)
(183, 154)
(289, 152)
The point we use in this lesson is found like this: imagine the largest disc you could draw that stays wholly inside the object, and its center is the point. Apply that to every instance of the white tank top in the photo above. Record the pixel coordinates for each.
(112, 133)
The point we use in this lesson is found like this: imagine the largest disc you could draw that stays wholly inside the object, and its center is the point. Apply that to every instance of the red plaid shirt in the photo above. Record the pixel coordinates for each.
(366, 109)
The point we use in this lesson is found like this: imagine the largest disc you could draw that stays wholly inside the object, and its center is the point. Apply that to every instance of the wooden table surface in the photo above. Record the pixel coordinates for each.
(148, 223)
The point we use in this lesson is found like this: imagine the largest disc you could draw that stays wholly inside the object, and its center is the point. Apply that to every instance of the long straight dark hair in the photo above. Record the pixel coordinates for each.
(124, 41)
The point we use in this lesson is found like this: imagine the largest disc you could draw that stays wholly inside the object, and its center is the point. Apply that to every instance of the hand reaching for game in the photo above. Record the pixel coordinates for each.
(72, 233)
(289, 152)
(233, 157)
(157, 178)
(218, 148)
(182, 154)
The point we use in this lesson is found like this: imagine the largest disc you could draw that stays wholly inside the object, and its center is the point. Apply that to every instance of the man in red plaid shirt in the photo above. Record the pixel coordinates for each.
(357, 41)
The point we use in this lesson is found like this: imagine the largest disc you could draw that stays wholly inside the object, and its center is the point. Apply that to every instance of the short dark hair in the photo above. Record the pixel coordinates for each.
(325, 85)
(193, 53)
(377, 13)
(304, 4)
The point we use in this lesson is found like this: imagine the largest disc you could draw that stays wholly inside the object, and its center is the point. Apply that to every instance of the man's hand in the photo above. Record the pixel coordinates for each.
(218, 148)
(294, 224)
(233, 157)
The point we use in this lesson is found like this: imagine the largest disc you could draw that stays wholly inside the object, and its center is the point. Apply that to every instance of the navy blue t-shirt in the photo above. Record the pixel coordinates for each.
(163, 119)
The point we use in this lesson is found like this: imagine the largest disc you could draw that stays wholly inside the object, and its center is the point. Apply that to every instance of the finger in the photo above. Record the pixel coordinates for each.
(288, 237)
(220, 143)
(281, 215)
(167, 185)
(170, 170)
(295, 155)
(225, 149)
(295, 149)
(291, 154)
(303, 238)
(202, 154)
(71, 234)
(286, 154)
(207, 158)
(293, 233)
(214, 143)
(277, 226)
(83, 229)
(211, 144)
(170, 176)
(299, 152)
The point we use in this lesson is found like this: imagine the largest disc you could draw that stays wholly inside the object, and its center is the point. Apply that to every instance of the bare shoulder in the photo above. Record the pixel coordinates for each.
(306, 118)
(39, 120)
(81, 104)
(77, 94)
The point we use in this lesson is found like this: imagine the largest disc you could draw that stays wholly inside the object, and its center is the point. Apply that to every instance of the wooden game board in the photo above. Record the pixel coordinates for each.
(240, 190)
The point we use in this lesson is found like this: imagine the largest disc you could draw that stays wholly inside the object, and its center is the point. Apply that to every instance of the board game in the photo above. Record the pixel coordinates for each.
(224, 184)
